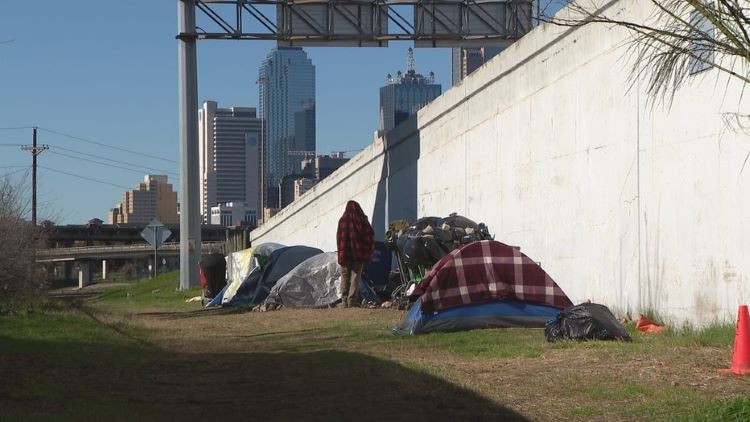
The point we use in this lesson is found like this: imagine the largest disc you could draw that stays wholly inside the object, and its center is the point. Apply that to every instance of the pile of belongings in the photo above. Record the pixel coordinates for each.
(483, 284)
(420, 245)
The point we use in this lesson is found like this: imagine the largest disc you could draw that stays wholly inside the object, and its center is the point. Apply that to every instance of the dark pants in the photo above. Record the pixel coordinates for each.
(349, 284)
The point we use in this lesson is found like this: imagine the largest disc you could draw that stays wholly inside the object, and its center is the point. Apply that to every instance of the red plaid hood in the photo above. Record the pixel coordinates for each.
(355, 238)
(486, 271)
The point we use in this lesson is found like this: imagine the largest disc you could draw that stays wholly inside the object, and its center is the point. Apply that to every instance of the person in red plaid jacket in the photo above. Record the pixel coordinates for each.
(355, 241)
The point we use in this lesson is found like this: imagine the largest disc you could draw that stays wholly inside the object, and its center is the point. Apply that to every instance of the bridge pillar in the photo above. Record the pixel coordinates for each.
(84, 274)
(68, 271)
(104, 269)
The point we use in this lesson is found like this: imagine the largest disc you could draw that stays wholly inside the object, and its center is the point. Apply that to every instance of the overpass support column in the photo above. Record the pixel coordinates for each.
(68, 271)
(104, 269)
(190, 218)
(84, 274)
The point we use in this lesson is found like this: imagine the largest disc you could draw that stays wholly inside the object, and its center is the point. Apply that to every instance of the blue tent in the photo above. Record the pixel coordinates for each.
(497, 314)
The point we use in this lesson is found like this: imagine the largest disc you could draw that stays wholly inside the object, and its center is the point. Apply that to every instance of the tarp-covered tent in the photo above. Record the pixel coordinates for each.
(281, 262)
(244, 269)
(240, 263)
(315, 283)
(485, 284)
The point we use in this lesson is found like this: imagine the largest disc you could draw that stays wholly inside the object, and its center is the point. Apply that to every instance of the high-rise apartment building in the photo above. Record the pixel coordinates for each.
(287, 106)
(405, 94)
(467, 60)
(229, 160)
(154, 198)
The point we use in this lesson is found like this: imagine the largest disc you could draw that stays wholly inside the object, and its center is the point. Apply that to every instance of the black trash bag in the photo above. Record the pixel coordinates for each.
(587, 321)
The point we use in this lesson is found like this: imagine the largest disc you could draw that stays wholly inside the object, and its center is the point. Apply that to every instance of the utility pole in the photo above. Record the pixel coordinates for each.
(35, 150)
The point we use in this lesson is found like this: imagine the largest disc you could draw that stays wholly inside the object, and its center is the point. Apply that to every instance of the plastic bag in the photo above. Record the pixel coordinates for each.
(587, 321)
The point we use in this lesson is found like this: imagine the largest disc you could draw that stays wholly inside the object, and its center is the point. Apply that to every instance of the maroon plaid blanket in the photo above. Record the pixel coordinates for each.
(485, 271)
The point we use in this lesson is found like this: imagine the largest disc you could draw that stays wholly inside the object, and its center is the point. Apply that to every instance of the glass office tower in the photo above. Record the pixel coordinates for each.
(287, 106)
(405, 94)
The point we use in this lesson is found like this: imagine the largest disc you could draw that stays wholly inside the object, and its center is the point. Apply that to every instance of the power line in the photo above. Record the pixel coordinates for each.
(98, 162)
(107, 146)
(113, 160)
(16, 128)
(84, 177)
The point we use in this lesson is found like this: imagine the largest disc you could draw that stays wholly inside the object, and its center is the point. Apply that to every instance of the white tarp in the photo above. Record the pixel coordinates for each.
(315, 283)
(241, 263)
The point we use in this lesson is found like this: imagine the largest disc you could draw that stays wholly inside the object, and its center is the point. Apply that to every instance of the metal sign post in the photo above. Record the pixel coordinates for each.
(155, 234)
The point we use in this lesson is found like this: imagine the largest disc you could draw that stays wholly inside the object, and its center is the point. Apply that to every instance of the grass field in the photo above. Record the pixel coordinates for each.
(142, 352)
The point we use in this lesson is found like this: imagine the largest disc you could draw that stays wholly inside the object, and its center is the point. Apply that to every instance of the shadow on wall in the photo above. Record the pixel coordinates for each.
(396, 195)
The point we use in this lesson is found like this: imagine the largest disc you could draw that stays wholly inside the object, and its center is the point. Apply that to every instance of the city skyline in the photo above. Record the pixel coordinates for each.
(107, 106)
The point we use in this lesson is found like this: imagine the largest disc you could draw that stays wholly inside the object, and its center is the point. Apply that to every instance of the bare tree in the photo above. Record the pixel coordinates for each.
(18, 241)
(680, 38)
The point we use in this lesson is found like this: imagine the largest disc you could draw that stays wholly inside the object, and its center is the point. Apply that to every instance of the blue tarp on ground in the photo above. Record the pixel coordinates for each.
(498, 314)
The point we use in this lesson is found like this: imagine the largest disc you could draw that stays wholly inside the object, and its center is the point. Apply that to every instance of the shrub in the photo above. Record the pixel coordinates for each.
(19, 240)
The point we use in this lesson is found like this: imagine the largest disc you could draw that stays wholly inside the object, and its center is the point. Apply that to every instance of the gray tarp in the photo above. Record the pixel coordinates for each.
(315, 283)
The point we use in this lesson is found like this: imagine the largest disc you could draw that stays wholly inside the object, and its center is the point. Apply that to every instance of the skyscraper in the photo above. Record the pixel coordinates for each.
(229, 156)
(154, 198)
(405, 94)
(467, 60)
(287, 106)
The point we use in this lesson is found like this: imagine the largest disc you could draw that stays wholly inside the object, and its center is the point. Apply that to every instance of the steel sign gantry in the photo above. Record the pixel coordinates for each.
(428, 23)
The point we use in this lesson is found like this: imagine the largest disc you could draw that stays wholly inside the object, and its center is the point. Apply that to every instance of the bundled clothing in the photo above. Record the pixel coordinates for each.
(355, 241)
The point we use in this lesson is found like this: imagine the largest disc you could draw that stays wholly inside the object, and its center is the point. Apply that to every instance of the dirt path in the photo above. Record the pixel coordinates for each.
(323, 357)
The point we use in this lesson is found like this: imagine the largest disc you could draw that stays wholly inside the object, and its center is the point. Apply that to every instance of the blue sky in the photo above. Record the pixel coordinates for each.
(106, 73)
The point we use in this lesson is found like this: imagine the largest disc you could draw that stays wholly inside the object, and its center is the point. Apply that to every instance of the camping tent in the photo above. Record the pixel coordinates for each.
(485, 284)
(240, 263)
(243, 271)
(281, 262)
(315, 283)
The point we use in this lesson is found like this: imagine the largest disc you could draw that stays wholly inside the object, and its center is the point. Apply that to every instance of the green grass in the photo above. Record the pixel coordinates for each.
(488, 344)
(46, 353)
(737, 409)
(69, 339)
(68, 334)
(160, 292)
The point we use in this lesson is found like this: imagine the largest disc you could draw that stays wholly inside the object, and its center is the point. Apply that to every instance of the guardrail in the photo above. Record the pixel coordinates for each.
(126, 250)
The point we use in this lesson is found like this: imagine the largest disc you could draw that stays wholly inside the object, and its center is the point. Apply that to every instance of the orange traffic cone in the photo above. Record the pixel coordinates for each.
(741, 354)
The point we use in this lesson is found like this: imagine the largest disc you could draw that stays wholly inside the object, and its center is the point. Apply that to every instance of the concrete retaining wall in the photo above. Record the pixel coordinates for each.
(639, 207)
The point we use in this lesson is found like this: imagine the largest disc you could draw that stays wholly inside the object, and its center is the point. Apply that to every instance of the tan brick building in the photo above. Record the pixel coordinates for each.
(154, 198)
